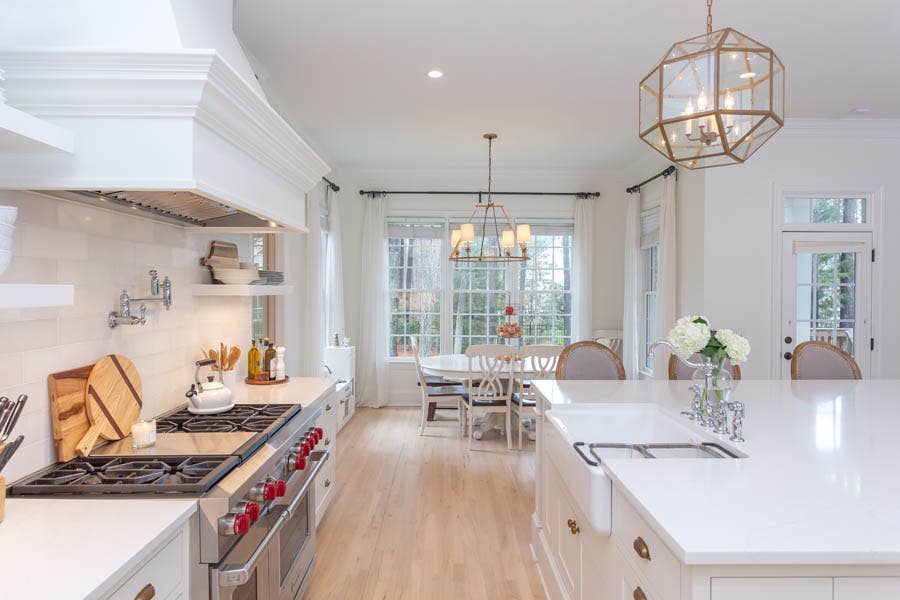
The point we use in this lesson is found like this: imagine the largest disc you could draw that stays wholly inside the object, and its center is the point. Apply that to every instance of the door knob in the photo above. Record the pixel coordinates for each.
(787, 356)
(788, 340)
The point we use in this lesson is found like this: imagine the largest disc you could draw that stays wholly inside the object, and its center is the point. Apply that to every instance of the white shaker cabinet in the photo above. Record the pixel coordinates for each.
(163, 575)
(325, 480)
(771, 588)
(865, 588)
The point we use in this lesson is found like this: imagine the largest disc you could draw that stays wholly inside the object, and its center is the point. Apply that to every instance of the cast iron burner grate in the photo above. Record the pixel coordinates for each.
(243, 417)
(128, 475)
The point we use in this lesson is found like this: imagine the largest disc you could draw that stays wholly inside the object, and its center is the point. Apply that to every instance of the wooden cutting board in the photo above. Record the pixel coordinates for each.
(222, 255)
(112, 401)
(67, 412)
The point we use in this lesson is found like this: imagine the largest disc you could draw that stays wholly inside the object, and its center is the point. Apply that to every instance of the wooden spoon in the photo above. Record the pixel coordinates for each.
(233, 356)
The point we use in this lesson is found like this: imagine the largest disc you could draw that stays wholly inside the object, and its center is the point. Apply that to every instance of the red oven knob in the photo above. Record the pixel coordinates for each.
(251, 509)
(312, 440)
(305, 448)
(241, 524)
(280, 488)
(320, 433)
(262, 492)
(299, 463)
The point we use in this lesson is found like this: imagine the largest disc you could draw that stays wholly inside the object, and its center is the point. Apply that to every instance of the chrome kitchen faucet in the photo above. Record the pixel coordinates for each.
(124, 316)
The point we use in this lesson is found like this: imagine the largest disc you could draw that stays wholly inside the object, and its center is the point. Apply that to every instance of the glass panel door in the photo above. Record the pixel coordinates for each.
(826, 294)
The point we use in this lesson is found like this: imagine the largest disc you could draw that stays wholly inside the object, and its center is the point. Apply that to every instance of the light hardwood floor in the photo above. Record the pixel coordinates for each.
(422, 517)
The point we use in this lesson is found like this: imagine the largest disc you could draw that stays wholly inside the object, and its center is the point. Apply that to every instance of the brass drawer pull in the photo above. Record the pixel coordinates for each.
(327, 441)
(573, 526)
(327, 482)
(327, 407)
(146, 593)
(638, 594)
(640, 546)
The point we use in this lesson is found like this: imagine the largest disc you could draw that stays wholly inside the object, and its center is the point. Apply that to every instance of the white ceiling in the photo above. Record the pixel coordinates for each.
(556, 80)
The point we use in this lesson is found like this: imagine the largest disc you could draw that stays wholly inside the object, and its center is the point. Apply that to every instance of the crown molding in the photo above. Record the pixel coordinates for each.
(861, 128)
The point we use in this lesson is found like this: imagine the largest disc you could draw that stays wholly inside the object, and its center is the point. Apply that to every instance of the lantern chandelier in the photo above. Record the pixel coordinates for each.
(712, 100)
(485, 219)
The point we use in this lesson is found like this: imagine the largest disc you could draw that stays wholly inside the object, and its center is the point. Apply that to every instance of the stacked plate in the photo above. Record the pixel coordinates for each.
(7, 226)
(245, 275)
(271, 278)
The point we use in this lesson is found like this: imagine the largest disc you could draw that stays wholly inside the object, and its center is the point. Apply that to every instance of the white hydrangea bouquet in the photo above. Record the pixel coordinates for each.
(692, 335)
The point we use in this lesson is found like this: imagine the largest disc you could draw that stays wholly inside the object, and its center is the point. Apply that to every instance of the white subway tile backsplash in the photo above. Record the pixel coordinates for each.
(28, 335)
(101, 253)
(39, 241)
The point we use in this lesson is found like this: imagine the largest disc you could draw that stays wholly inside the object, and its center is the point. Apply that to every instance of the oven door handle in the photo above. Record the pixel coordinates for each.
(234, 576)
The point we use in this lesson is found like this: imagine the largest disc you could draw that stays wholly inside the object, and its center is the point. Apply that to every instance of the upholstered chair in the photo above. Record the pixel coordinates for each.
(821, 360)
(589, 360)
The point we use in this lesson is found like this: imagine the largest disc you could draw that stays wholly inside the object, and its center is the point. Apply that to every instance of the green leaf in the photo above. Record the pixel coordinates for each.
(701, 320)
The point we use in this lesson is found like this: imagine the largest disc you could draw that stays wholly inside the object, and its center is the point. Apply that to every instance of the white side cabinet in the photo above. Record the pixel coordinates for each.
(341, 361)
(162, 576)
(325, 480)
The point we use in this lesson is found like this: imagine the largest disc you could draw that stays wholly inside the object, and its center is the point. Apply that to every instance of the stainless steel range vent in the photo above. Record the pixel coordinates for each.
(186, 209)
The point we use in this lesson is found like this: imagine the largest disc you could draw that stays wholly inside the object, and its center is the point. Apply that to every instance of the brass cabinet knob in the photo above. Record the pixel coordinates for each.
(573, 526)
(641, 548)
(638, 594)
(327, 482)
(327, 441)
(147, 592)
(327, 407)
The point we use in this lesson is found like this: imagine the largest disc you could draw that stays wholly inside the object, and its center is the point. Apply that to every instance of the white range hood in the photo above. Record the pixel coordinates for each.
(166, 113)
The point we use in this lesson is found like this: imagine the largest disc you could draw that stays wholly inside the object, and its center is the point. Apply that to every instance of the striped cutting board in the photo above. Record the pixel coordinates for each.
(112, 401)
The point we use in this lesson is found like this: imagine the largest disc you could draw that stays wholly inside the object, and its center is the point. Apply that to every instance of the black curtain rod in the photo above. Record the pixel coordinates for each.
(374, 193)
(664, 173)
(332, 185)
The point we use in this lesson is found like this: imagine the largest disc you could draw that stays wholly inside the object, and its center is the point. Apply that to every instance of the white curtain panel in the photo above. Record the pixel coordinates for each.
(582, 280)
(313, 326)
(667, 276)
(630, 320)
(334, 269)
(373, 325)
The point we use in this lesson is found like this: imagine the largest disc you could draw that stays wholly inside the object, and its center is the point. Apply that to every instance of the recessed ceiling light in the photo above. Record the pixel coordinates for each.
(861, 109)
(435, 73)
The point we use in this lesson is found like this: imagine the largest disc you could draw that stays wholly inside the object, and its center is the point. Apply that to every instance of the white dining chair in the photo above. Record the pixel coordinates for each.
(538, 362)
(431, 394)
(611, 338)
(488, 386)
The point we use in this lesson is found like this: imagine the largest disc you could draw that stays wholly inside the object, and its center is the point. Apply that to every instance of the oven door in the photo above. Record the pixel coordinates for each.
(275, 566)
(294, 549)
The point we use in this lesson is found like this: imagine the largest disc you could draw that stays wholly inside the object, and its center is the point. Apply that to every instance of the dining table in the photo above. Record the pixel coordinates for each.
(455, 367)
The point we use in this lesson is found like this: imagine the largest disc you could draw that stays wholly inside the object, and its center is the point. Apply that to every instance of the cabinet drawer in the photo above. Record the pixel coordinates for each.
(771, 588)
(568, 527)
(854, 588)
(660, 568)
(164, 571)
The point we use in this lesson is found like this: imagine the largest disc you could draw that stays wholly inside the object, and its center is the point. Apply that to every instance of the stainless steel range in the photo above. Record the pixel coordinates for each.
(253, 470)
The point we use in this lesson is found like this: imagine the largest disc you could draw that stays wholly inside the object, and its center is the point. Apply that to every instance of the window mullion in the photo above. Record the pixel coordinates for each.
(446, 321)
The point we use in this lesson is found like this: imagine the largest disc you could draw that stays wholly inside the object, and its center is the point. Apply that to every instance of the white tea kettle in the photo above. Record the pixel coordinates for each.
(209, 397)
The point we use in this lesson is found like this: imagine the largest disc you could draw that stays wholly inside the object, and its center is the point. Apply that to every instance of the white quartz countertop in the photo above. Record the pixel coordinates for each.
(306, 391)
(820, 484)
(74, 548)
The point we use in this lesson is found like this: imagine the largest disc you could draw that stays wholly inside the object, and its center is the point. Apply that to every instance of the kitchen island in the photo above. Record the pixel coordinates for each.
(809, 509)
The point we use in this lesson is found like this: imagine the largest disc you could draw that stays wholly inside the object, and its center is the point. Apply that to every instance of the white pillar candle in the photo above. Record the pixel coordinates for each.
(143, 434)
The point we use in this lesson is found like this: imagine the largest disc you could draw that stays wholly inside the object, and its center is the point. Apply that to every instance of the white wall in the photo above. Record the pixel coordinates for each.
(102, 253)
(608, 261)
(739, 262)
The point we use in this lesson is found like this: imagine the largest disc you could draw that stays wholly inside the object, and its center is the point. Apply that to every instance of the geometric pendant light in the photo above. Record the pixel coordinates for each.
(712, 100)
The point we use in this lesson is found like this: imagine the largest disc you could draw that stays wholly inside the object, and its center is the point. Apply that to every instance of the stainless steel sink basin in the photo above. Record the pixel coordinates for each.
(601, 452)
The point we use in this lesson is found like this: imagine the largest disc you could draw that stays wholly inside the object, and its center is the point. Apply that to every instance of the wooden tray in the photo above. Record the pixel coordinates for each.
(250, 381)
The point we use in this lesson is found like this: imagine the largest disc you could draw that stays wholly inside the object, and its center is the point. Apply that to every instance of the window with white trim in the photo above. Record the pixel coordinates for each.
(649, 270)
(415, 261)
(450, 318)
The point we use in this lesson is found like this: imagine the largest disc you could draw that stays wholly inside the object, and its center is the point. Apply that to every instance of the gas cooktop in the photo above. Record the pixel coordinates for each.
(243, 417)
(128, 475)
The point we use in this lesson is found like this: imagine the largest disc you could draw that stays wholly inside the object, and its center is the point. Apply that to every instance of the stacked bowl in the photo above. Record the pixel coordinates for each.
(7, 226)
